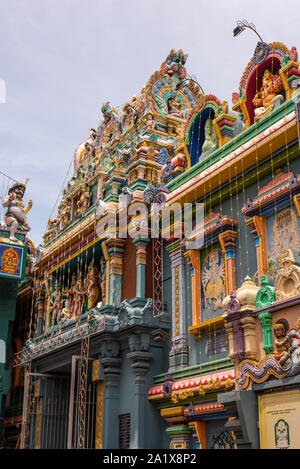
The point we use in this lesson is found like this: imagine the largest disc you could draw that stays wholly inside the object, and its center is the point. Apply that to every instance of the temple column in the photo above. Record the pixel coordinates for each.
(194, 255)
(115, 251)
(227, 243)
(248, 325)
(111, 364)
(141, 252)
(98, 377)
(266, 325)
(40, 305)
(179, 353)
(266, 296)
(140, 363)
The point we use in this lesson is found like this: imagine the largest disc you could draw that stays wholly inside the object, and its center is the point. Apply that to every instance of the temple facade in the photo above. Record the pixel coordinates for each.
(164, 299)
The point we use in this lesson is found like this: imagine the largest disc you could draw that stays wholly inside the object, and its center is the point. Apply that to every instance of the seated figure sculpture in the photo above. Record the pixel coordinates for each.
(281, 342)
(268, 96)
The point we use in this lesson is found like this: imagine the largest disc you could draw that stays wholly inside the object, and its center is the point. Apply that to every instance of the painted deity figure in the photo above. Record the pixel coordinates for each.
(67, 312)
(150, 122)
(56, 305)
(65, 212)
(211, 140)
(16, 215)
(268, 96)
(281, 342)
(79, 297)
(70, 294)
(282, 437)
(83, 202)
(89, 153)
(174, 106)
(92, 286)
(213, 279)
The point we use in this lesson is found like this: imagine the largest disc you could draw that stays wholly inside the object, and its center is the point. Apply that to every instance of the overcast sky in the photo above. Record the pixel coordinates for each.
(61, 59)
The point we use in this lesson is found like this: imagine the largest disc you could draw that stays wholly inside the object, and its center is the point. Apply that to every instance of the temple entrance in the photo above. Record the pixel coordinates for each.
(59, 411)
(45, 411)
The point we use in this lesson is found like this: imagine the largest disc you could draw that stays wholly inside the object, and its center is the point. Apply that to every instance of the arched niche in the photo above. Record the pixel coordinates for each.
(254, 81)
(272, 56)
(196, 131)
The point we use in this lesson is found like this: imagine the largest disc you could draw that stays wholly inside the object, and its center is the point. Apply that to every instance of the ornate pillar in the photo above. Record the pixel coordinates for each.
(234, 328)
(240, 323)
(115, 251)
(246, 295)
(227, 243)
(266, 296)
(40, 305)
(98, 377)
(179, 353)
(111, 363)
(196, 285)
(140, 359)
(141, 252)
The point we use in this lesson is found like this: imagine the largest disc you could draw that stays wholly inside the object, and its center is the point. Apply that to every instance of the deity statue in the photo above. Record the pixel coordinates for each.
(268, 96)
(79, 296)
(93, 135)
(92, 286)
(174, 106)
(65, 212)
(71, 184)
(281, 342)
(150, 122)
(52, 228)
(70, 294)
(83, 202)
(56, 305)
(89, 153)
(211, 139)
(102, 277)
(173, 67)
(67, 312)
(16, 216)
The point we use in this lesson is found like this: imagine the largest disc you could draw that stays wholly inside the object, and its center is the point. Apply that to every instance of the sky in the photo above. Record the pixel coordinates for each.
(61, 59)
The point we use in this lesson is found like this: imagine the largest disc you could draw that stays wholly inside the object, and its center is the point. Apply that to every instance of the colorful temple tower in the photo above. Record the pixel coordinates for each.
(165, 299)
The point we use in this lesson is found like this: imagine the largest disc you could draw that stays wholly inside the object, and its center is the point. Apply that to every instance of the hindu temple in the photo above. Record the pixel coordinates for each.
(162, 308)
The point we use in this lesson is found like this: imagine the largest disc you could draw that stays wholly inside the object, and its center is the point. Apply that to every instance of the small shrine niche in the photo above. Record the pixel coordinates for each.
(202, 137)
(262, 86)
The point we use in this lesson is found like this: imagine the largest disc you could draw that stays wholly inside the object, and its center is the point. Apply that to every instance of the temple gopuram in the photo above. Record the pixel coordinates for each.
(141, 331)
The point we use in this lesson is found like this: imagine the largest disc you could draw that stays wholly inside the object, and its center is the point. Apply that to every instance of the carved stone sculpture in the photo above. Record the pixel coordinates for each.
(16, 215)
(287, 282)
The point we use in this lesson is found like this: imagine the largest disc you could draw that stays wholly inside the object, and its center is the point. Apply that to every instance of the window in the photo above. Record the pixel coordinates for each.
(124, 431)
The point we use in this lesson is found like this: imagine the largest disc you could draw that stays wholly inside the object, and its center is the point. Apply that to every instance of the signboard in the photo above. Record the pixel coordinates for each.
(12, 260)
(279, 420)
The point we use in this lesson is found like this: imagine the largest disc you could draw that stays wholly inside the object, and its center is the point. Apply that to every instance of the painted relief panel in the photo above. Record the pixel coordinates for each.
(212, 285)
(283, 232)
(279, 420)
(12, 261)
